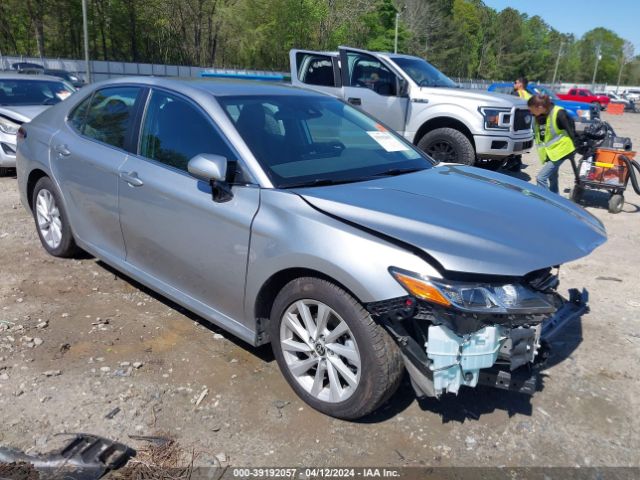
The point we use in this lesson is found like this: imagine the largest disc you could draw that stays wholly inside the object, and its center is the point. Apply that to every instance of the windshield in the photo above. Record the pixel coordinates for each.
(19, 92)
(539, 89)
(307, 141)
(423, 73)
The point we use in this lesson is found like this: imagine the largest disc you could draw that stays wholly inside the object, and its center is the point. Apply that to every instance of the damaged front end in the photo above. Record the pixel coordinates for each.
(455, 333)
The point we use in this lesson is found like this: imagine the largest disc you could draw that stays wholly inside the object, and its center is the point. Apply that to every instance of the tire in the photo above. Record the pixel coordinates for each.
(51, 219)
(362, 348)
(5, 171)
(576, 193)
(448, 145)
(616, 202)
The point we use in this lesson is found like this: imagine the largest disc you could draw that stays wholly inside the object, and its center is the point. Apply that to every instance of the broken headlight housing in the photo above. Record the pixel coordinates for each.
(475, 297)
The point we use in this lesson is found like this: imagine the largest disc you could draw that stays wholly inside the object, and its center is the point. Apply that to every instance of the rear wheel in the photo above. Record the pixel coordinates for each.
(448, 145)
(616, 202)
(51, 220)
(331, 352)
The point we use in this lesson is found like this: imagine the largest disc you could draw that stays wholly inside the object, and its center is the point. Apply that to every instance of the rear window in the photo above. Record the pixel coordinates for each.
(17, 92)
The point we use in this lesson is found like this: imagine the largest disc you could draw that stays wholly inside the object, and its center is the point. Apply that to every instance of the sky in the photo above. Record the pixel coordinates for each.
(580, 16)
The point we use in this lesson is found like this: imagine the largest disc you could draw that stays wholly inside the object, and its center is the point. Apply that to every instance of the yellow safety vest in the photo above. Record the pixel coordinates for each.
(524, 94)
(557, 143)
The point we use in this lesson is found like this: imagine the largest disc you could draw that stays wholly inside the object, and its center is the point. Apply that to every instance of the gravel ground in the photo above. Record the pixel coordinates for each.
(78, 340)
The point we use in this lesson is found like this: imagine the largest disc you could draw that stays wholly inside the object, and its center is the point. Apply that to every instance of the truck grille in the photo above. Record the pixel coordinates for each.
(522, 120)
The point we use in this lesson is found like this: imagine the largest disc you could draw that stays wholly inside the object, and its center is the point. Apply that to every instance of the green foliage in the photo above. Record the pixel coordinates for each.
(463, 38)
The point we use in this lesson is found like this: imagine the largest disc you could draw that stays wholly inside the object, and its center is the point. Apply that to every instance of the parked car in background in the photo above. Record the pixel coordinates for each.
(421, 103)
(72, 78)
(20, 66)
(586, 96)
(632, 94)
(578, 111)
(289, 217)
(22, 97)
(615, 98)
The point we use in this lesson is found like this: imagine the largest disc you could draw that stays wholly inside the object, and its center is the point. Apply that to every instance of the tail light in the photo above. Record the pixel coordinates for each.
(22, 133)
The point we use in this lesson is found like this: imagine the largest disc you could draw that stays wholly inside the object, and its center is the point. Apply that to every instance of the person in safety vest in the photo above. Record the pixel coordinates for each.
(554, 136)
(520, 87)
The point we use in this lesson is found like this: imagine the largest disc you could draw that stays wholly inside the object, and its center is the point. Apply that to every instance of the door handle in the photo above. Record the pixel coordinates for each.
(131, 178)
(355, 101)
(62, 150)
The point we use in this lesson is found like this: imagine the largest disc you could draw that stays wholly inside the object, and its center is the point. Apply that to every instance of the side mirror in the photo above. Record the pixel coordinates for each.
(403, 87)
(213, 170)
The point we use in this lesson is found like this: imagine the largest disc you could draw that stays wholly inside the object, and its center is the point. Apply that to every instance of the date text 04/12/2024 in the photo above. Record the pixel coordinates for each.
(315, 473)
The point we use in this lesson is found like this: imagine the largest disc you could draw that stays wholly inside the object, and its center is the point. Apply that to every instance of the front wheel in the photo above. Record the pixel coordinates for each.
(331, 352)
(448, 145)
(51, 220)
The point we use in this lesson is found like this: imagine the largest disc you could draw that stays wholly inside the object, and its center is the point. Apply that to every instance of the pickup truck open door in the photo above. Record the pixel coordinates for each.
(357, 76)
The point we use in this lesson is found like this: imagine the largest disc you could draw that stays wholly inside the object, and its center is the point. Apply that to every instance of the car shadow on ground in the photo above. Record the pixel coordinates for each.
(520, 175)
(470, 403)
(600, 199)
(263, 352)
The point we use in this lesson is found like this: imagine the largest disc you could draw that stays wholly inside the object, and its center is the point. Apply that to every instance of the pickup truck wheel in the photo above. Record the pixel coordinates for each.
(51, 220)
(448, 145)
(330, 351)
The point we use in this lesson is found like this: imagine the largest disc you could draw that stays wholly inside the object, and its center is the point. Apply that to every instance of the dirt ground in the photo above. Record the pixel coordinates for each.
(71, 331)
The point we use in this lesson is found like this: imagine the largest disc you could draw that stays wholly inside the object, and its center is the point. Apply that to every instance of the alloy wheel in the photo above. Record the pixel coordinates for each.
(442, 151)
(320, 351)
(48, 217)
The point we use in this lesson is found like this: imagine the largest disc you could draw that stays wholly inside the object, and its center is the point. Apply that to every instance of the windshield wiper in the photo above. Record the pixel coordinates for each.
(321, 182)
(392, 172)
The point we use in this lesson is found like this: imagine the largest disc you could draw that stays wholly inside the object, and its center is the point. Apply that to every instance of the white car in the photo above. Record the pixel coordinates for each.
(23, 97)
(633, 95)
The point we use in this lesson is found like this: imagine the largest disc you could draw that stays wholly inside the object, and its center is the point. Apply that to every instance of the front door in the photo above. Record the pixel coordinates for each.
(86, 154)
(372, 86)
(172, 228)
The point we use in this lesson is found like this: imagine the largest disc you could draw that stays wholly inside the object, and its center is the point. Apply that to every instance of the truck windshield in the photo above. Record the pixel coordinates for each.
(423, 73)
(545, 91)
(315, 140)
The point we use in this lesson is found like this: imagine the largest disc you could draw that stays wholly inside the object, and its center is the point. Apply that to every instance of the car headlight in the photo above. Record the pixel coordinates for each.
(496, 118)
(585, 114)
(8, 127)
(474, 297)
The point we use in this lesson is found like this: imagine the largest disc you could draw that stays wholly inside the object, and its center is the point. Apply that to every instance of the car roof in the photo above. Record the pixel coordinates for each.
(26, 76)
(214, 86)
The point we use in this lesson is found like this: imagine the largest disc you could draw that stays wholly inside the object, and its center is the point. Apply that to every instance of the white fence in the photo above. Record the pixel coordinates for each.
(101, 70)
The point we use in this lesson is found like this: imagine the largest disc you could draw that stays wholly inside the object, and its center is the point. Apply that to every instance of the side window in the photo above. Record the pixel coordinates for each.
(79, 114)
(368, 72)
(110, 115)
(582, 93)
(315, 69)
(174, 131)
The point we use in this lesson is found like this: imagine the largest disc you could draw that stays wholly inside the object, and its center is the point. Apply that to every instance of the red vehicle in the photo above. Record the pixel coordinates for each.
(584, 95)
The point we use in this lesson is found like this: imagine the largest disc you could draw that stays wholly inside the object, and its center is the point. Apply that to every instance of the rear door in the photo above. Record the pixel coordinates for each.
(316, 70)
(371, 85)
(173, 230)
(86, 154)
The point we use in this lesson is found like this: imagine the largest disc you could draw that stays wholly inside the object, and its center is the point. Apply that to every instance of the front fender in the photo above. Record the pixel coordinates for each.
(421, 113)
(288, 233)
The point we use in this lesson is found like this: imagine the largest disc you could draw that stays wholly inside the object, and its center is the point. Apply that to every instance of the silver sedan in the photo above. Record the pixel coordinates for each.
(289, 217)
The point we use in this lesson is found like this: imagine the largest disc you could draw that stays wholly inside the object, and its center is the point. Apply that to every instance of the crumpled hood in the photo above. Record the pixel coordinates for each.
(481, 98)
(22, 113)
(469, 220)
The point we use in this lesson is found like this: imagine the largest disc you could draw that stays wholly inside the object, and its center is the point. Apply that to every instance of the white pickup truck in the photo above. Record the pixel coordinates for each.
(414, 98)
